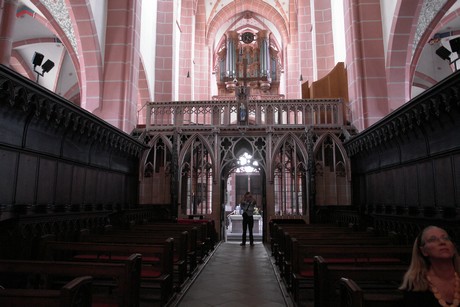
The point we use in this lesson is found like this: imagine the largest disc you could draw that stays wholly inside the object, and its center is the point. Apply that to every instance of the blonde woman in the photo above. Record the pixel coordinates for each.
(433, 277)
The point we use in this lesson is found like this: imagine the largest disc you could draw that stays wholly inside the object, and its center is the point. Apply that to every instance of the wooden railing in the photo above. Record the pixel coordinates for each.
(317, 112)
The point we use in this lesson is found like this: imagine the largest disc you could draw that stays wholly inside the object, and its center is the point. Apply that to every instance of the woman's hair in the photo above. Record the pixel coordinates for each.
(415, 277)
(245, 194)
(244, 197)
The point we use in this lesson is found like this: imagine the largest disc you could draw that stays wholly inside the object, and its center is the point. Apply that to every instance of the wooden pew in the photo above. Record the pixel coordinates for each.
(149, 236)
(351, 295)
(287, 258)
(123, 277)
(184, 261)
(275, 222)
(278, 236)
(285, 245)
(211, 228)
(157, 260)
(203, 240)
(327, 277)
(303, 272)
(76, 293)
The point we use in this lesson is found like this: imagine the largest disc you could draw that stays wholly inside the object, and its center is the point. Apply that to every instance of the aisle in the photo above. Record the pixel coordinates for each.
(236, 276)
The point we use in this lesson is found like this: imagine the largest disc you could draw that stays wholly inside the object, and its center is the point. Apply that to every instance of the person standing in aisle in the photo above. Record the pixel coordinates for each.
(247, 205)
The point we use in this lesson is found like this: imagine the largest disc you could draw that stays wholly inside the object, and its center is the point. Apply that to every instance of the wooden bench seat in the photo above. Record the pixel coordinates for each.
(327, 278)
(147, 236)
(123, 278)
(352, 295)
(284, 250)
(203, 240)
(157, 260)
(275, 227)
(278, 239)
(76, 293)
(184, 260)
(286, 258)
(303, 270)
(211, 228)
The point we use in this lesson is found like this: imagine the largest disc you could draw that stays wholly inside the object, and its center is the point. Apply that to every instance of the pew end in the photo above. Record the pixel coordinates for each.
(352, 295)
(76, 293)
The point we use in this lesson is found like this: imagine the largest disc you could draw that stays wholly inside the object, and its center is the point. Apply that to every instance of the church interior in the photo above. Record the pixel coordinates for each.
(130, 131)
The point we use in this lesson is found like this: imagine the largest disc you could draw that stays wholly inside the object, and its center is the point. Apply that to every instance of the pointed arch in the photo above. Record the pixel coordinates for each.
(412, 59)
(236, 147)
(339, 144)
(186, 146)
(90, 54)
(89, 50)
(168, 146)
(239, 6)
(332, 171)
(290, 176)
(49, 22)
(197, 167)
(280, 143)
(404, 25)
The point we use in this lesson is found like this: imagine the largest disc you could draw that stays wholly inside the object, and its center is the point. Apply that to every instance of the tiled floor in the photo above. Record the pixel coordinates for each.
(236, 276)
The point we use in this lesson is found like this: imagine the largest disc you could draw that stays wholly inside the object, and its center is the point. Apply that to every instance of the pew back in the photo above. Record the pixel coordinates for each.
(181, 247)
(76, 293)
(327, 277)
(157, 259)
(351, 295)
(124, 276)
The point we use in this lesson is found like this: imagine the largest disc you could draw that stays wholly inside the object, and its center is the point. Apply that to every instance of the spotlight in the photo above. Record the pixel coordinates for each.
(48, 66)
(443, 53)
(455, 44)
(38, 59)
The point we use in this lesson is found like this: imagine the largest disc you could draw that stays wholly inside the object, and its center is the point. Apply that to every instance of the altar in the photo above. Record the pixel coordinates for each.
(236, 223)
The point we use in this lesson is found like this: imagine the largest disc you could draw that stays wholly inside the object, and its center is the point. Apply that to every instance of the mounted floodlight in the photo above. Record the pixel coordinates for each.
(455, 44)
(443, 53)
(47, 66)
(37, 61)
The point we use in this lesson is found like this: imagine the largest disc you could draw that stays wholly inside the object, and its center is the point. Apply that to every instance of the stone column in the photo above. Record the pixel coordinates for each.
(8, 18)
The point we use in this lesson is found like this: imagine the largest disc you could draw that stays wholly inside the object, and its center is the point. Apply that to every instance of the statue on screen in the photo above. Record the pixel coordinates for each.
(242, 96)
(242, 112)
